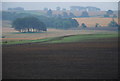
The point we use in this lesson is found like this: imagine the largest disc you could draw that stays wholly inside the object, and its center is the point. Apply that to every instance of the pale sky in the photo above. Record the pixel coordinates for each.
(59, 0)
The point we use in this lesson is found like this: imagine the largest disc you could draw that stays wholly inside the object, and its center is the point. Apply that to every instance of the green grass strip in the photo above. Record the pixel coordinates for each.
(64, 39)
(85, 37)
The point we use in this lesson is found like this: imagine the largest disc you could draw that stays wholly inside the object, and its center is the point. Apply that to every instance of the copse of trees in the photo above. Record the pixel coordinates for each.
(65, 15)
(109, 12)
(28, 24)
(83, 25)
(39, 23)
(45, 9)
(63, 9)
(13, 15)
(97, 25)
(17, 8)
(49, 12)
(71, 15)
(65, 23)
(59, 22)
(113, 24)
(58, 8)
(84, 14)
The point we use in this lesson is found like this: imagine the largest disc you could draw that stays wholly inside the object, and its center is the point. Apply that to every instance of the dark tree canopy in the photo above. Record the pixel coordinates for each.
(49, 12)
(63, 9)
(65, 14)
(59, 23)
(106, 15)
(45, 9)
(13, 15)
(71, 15)
(58, 8)
(83, 25)
(113, 24)
(109, 12)
(97, 25)
(28, 24)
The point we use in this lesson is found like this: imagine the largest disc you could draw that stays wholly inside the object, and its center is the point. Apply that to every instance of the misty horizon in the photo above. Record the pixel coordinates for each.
(52, 5)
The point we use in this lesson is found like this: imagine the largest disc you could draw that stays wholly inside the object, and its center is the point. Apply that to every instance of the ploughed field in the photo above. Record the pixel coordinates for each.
(96, 59)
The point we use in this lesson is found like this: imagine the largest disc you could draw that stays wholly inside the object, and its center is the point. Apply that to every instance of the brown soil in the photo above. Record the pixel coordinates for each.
(82, 60)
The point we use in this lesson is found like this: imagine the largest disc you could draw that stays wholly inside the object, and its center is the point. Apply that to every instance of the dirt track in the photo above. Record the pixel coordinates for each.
(82, 60)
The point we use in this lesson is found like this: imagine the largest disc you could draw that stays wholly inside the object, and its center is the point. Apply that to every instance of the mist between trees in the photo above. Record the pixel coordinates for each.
(31, 21)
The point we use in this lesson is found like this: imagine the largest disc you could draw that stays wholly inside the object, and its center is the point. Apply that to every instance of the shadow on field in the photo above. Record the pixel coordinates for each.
(95, 59)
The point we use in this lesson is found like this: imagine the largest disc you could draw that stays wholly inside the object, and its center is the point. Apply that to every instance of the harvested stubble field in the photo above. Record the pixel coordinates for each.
(13, 35)
(91, 22)
(96, 59)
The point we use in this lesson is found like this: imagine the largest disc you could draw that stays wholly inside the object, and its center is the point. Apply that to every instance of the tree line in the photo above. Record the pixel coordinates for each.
(34, 24)
(59, 23)
(7, 15)
(44, 22)
(64, 14)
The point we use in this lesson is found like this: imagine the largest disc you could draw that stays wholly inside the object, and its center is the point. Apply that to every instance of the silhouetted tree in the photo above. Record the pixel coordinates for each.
(113, 24)
(97, 25)
(49, 12)
(65, 14)
(59, 15)
(63, 9)
(13, 15)
(58, 8)
(114, 16)
(71, 14)
(106, 15)
(83, 25)
(109, 12)
(45, 9)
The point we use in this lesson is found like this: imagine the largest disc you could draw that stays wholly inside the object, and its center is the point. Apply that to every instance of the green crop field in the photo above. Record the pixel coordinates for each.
(64, 39)
(84, 37)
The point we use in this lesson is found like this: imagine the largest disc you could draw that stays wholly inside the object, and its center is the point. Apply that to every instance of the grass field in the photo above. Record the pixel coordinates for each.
(64, 39)
(53, 35)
